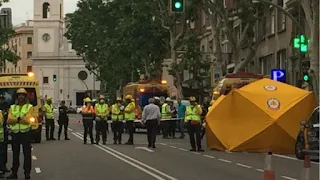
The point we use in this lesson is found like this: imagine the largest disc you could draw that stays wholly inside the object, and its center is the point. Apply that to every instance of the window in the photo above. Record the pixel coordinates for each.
(273, 19)
(60, 11)
(29, 68)
(19, 41)
(281, 21)
(203, 18)
(29, 54)
(45, 10)
(281, 59)
(266, 64)
(29, 40)
(10, 95)
(19, 69)
(45, 80)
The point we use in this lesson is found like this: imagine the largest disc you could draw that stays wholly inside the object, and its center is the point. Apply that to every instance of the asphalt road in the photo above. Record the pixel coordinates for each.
(171, 160)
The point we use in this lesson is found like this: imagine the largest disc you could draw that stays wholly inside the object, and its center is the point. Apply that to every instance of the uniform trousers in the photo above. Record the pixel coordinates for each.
(88, 126)
(101, 130)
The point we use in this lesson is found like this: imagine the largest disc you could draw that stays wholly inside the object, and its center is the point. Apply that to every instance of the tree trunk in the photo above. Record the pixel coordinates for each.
(178, 81)
(314, 61)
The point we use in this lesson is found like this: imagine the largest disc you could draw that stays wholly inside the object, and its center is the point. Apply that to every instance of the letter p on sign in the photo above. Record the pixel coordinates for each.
(278, 75)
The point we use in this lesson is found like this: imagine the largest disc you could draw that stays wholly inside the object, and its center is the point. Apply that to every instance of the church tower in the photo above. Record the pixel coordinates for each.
(48, 27)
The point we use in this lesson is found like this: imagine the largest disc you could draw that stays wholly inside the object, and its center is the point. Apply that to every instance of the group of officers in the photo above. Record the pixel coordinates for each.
(120, 111)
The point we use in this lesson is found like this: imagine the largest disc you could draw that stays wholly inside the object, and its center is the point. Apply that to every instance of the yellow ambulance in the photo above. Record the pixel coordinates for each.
(10, 83)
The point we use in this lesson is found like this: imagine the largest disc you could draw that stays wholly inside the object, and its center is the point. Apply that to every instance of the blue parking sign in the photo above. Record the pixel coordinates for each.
(278, 75)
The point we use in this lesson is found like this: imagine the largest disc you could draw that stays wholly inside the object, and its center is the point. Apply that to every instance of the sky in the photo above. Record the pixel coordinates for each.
(22, 10)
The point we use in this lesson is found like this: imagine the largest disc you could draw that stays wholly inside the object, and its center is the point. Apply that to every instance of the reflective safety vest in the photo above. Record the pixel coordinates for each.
(20, 112)
(49, 111)
(164, 113)
(101, 110)
(116, 113)
(88, 113)
(132, 114)
(192, 113)
(1, 128)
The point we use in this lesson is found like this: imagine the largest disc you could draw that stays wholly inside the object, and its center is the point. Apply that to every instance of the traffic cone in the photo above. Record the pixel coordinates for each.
(306, 168)
(268, 173)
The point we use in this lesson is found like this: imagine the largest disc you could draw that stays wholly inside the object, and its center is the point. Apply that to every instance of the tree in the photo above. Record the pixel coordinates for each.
(3, 1)
(311, 10)
(169, 22)
(118, 39)
(248, 14)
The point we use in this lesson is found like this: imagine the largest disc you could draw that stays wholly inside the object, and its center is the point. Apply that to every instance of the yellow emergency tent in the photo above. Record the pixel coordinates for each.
(264, 115)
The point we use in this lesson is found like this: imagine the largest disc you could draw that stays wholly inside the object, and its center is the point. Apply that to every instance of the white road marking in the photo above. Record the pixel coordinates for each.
(34, 158)
(243, 165)
(289, 178)
(196, 153)
(211, 157)
(163, 144)
(224, 160)
(260, 170)
(70, 129)
(38, 170)
(291, 158)
(134, 162)
(145, 148)
(173, 147)
(183, 149)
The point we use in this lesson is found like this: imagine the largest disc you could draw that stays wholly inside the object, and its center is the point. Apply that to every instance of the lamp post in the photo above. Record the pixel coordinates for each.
(42, 90)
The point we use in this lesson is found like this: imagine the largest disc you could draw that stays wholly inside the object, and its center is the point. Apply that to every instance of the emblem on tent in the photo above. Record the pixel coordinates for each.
(273, 104)
(270, 88)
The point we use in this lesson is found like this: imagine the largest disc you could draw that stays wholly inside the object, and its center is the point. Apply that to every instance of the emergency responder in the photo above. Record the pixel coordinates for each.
(129, 116)
(63, 120)
(117, 118)
(193, 120)
(2, 144)
(49, 117)
(87, 120)
(20, 117)
(4, 107)
(165, 117)
(102, 112)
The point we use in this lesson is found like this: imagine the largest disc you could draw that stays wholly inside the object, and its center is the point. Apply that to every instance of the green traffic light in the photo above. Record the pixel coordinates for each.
(306, 77)
(177, 5)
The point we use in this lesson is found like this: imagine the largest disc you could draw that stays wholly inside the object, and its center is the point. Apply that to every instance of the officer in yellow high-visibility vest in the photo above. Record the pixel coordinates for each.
(165, 117)
(102, 112)
(49, 117)
(193, 113)
(20, 119)
(2, 144)
(117, 118)
(129, 116)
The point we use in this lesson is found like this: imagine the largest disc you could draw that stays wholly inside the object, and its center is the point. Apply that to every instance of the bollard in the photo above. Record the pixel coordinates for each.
(268, 172)
(306, 168)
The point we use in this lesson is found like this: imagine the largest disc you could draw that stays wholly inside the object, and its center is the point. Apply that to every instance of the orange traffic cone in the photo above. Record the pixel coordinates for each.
(306, 168)
(268, 173)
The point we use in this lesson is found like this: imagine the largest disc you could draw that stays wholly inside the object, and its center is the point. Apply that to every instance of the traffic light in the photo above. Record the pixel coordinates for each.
(54, 78)
(301, 43)
(306, 77)
(177, 6)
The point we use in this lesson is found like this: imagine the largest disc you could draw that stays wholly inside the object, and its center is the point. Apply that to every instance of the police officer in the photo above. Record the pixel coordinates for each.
(102, 112)
(117, 118)
(87, 120)
(20, 119)
(49, 115)
(129, 116)
(4, 107)
(165, 117)
(63, 120)
(193, 120)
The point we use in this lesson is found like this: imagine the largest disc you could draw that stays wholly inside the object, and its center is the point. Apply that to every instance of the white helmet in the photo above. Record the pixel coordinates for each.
(169, 99)
(156, 98)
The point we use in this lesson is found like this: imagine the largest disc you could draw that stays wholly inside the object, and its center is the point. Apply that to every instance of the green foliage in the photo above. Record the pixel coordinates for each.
(3, 1)
(5, 52)
(118, 38)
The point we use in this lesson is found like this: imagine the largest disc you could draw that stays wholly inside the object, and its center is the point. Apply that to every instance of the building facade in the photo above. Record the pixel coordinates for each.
(21, 44)
(53, 56)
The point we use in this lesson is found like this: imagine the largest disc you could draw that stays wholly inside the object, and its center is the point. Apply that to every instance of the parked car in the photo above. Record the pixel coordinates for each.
(309, 127)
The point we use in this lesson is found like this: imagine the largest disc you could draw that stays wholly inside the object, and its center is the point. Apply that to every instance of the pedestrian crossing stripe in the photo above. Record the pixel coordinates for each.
(22, 84)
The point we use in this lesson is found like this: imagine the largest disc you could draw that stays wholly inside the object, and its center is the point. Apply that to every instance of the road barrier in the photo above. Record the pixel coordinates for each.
(268, 173)
(306, 168)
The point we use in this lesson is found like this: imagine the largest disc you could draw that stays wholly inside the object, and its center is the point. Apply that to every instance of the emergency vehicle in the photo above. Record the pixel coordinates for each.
(10, 83)
(236, 80)
(141, 91)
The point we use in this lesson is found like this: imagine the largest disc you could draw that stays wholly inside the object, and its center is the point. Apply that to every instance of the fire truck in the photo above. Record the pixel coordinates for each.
(10, 83)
